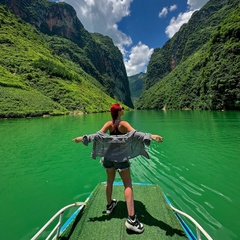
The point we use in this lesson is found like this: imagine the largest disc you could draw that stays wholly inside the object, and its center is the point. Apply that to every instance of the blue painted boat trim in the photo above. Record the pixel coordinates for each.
(187, 230)
(68, 222)
(65, 225)
(134, 183)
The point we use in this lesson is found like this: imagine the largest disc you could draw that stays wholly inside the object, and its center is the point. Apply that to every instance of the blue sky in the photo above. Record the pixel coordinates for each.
(136, 27)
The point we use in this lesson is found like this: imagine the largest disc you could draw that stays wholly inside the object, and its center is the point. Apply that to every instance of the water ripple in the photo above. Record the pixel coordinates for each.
(217, 192)
(158, 170)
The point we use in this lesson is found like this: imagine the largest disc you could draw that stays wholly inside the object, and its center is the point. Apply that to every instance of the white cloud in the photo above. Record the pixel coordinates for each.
(138, 59)
(102, 16)
(165, 10)
(163, 13)
(176, 23)
(173, 7)
(196, 4)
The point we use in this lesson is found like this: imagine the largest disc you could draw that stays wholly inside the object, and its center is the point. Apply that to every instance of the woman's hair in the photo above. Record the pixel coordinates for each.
(114, 109)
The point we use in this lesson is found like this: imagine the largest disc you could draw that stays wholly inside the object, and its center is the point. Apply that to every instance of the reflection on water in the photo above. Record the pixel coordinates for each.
(196, 166)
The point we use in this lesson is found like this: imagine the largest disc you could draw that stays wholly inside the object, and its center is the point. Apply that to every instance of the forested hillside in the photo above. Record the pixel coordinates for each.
(67, 68)
(199, 68)
(136, 85)
(50, 64)
(35, 81)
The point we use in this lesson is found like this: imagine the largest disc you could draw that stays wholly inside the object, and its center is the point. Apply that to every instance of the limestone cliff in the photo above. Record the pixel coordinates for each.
(101, 59)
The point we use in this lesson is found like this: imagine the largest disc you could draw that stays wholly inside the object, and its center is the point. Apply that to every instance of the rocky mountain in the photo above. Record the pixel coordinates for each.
(36, 81)
(189, 39)
(95, 54)
(136, 85)
(199, 67)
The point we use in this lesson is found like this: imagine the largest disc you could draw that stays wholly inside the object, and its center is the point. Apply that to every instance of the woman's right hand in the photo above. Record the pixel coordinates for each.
(77, 139)
(157, 138)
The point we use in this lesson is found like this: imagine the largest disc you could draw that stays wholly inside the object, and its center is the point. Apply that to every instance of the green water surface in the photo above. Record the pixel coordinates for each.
(197, 166)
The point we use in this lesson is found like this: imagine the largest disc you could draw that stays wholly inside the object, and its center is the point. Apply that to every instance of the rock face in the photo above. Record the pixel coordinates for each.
(102, 59)
(190, 38)
(198, 68)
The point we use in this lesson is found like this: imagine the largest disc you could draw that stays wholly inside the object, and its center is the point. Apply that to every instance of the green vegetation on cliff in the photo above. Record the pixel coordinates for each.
(206, 79)
(136, 86)
(35, 81)
(94, 53)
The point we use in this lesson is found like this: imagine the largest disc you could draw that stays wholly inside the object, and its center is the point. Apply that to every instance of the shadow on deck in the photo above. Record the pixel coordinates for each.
(151, 208)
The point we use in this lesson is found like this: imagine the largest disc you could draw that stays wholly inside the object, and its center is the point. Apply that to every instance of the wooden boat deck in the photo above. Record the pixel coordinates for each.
(152, 210)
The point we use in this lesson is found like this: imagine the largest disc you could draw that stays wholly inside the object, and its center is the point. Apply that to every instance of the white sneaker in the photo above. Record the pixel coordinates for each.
(111, 206)
(134, 225)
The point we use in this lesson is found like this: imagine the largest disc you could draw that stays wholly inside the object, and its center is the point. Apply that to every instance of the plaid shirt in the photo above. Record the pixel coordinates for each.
(118, 148)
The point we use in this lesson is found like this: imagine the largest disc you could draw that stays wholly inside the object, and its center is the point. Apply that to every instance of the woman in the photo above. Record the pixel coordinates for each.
(119, 127)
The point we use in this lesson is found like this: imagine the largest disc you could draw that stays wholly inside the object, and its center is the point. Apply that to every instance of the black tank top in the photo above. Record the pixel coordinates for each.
(115, 130)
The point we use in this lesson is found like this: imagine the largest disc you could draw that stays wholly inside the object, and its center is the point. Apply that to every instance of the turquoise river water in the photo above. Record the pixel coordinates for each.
(197, 166)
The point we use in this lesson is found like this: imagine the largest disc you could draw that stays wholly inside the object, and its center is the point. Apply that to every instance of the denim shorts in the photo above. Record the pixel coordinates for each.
(118, 166)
